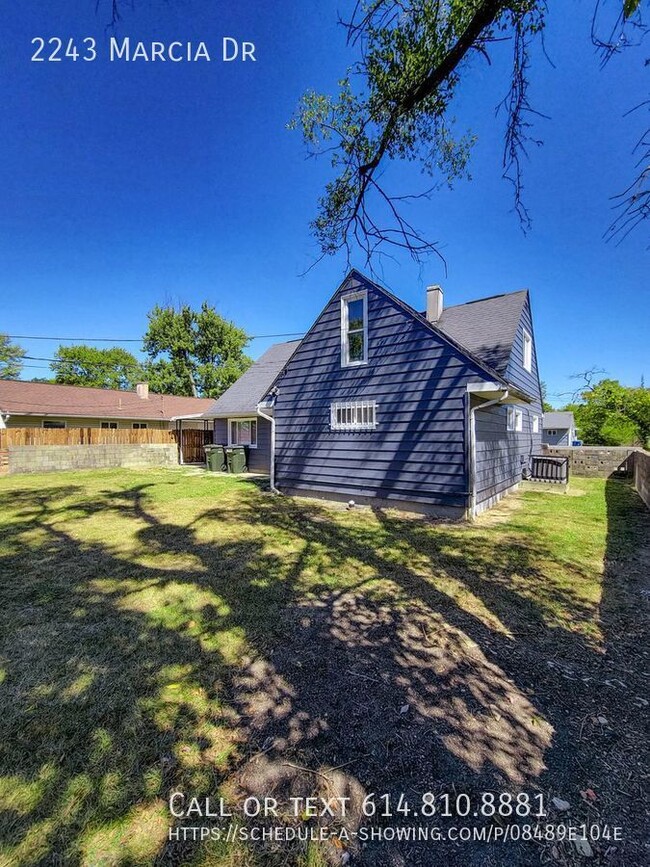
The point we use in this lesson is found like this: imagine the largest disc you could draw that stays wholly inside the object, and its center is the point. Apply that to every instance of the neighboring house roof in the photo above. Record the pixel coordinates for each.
(556, 420)
(41, 398)
(244, 395)
(487, 327)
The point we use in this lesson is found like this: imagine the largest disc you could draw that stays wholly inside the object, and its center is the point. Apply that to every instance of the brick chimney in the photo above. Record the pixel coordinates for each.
(434, 303)
(142, 390)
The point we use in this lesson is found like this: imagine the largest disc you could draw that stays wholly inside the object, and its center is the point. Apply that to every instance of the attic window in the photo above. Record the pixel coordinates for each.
(354, 329)
(528, 351)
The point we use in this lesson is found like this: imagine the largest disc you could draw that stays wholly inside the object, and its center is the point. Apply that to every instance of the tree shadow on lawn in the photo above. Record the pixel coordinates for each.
(253, 647)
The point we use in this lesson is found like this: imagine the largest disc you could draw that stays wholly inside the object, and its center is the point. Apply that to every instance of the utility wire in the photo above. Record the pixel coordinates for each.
(134, 339)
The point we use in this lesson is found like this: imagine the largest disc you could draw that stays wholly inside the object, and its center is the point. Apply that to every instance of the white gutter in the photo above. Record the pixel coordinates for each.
(270, 419)
(472, 446)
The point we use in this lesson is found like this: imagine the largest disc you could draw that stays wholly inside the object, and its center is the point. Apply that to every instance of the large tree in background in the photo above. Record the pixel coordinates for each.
(11, 356)
(113, 367)
(412, 58)
(195, 353)
(612, 414)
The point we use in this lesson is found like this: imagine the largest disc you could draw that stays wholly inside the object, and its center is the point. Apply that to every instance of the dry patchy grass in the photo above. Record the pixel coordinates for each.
(168, 631)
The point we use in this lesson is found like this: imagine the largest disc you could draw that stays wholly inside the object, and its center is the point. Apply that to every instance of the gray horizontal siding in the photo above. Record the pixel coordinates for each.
(501, 455)
(417, 452)
(561, 438)
(526, 380)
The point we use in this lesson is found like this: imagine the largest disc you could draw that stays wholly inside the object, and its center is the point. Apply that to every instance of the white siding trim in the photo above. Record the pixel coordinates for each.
(345, 300)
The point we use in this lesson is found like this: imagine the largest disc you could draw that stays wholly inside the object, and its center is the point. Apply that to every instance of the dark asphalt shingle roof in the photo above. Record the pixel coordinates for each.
(486, 327)
(243, 396)
(558, 420)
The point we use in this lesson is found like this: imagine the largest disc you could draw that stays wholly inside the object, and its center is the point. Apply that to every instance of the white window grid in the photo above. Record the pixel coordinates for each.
(353, 415)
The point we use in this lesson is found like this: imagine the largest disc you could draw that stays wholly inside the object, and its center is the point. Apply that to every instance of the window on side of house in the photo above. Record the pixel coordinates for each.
(515, 419)
(242, 432)
(354, 329)
(353, 415)
(551, 433)
(528, 351)
(535, 424)
(139, 425)
(54, 424)
(109, 425)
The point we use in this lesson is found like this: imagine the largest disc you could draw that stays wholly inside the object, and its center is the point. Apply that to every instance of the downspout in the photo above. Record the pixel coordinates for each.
(270, 419)
(472, 448)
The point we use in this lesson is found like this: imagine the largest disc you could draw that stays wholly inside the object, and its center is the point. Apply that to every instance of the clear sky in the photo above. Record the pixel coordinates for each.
(128, 184)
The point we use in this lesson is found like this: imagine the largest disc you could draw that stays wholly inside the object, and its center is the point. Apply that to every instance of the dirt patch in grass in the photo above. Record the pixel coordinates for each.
(168, 632)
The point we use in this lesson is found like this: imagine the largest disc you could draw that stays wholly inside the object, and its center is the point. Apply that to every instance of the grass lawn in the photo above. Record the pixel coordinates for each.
(168, 631)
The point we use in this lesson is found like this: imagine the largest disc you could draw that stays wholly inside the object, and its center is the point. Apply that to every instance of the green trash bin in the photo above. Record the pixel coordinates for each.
(236, 459)
(215, 458)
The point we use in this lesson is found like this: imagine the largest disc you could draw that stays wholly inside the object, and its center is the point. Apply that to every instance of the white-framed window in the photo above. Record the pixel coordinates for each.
(242, 432)
(528, 351)
(108, 425)
(54, 423)
(354, 329)
(139, 425)
(535, 424)
(515, 419)
(353, 415)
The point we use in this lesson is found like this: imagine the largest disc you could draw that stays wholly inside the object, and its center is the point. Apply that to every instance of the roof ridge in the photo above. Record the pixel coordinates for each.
(486, 298)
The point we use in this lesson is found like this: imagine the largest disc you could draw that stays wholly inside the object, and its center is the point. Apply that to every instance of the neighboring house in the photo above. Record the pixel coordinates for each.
(46, 405)
(559, 429)
(378, 403)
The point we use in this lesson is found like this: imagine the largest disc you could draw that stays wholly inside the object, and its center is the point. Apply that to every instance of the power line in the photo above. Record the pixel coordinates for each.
(133, 339)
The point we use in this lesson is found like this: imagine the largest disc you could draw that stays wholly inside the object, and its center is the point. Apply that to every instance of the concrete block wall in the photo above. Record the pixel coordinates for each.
(642, 476)
(43, 459)
(596, 461)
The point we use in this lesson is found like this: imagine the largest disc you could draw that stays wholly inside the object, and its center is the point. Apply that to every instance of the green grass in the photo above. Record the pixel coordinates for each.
(131, 602)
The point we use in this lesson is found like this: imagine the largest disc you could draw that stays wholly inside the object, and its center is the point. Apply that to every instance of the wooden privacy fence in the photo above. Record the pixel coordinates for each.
(84, 436)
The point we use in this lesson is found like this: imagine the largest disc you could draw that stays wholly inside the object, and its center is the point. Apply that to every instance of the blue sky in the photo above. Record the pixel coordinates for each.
(130, 184)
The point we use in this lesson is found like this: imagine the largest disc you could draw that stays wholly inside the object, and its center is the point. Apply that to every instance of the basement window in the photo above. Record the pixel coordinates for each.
(528, 351)
(53, 424)
(515, 419)
(242, 432)
(353, 415)
(354, 329)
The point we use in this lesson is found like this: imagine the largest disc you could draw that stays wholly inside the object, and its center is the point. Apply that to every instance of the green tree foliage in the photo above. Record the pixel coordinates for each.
(11, 356)
(113, 367)
(613, 414)
(396, 103)
(194, 353)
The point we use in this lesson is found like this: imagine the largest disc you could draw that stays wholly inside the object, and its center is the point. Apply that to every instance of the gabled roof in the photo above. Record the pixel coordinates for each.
(46, 398)
(486, 327)
(558, 420)
(243, 396)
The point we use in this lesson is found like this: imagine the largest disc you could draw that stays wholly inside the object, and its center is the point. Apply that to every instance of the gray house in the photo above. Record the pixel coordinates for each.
(435, 411)
(558, 428)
